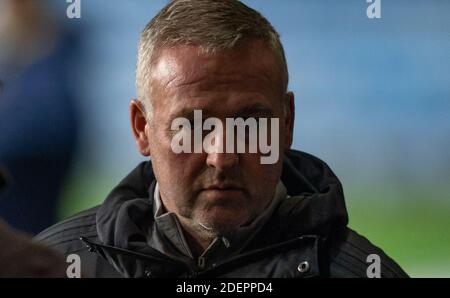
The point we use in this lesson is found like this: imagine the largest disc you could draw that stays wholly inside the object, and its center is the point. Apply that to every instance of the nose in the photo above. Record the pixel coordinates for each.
(218, 157)
(222, 161)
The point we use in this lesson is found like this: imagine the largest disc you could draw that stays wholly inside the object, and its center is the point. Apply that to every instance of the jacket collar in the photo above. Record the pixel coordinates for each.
(167, 236)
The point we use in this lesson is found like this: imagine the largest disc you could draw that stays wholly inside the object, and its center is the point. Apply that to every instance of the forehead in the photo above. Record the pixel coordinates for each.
(185, 76)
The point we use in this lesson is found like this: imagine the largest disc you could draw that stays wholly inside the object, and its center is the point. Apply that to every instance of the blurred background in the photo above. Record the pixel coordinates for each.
(372, 96)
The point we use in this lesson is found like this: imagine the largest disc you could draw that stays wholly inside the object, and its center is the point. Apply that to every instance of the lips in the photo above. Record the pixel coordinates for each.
(223, 191)
(224, 187)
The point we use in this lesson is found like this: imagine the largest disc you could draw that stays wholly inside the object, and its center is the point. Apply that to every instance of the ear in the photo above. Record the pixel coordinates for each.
(289, 119)
(139, 126)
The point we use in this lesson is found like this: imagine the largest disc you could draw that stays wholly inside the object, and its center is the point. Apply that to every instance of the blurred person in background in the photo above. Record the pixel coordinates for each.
(20, 257)
(38, 122)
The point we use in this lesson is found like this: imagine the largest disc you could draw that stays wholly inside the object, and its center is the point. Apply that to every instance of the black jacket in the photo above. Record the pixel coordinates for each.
(307, 236)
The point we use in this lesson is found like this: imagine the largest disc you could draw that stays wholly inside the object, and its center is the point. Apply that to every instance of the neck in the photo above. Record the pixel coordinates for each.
(197, 237)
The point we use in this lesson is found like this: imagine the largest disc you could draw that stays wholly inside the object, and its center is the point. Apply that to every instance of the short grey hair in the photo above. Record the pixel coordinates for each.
(212, 25)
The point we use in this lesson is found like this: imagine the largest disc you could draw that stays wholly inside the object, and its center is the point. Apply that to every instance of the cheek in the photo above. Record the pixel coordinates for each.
(180, 168)
(177, 173)
(261, 179)
(177, 176)
(177, 169)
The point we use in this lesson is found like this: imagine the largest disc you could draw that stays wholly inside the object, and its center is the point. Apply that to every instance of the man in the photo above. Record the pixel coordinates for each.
(215, 213)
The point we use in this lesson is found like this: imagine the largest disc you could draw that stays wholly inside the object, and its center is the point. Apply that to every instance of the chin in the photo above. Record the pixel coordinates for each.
(223, 220)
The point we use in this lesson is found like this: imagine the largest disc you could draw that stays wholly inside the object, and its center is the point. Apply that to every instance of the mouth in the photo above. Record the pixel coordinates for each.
(224, 187)
(223, 191)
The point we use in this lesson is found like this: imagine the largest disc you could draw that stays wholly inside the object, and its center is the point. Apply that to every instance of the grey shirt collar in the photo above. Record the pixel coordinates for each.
(166, 234)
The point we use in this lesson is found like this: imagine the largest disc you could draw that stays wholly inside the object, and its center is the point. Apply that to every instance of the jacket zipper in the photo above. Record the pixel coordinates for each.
(194, 273)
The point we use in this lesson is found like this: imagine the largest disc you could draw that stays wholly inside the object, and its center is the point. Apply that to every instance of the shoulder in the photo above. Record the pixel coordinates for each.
(351, 255)
(65, 235)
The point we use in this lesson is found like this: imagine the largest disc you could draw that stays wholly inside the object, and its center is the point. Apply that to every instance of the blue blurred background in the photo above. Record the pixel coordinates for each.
(372, 96)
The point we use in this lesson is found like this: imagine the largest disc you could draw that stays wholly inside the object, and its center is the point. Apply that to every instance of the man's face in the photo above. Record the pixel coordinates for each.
(220, 191)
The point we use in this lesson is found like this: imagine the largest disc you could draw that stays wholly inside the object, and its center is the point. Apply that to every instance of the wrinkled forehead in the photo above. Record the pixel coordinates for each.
(247, 67)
